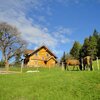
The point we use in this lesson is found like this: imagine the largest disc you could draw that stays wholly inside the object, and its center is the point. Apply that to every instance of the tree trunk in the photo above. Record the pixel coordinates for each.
(7, 65)
(3, 56)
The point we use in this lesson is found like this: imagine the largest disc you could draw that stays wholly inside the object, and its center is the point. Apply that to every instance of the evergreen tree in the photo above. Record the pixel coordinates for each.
(63, 58)
(66, 56)
(89, 47)
(75, 50)
(69, 56)
(98, 47)
(96, 34)
(84, 51)
(92, 48)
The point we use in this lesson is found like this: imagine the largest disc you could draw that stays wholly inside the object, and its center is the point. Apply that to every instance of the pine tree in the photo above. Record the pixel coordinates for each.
(96, 34)
(90, 45)
(98, 47)
(63, 58)
(92, 48)
(75, 50)
(84, 50)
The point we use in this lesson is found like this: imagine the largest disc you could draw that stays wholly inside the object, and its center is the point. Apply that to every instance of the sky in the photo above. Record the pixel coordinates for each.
(54, 23)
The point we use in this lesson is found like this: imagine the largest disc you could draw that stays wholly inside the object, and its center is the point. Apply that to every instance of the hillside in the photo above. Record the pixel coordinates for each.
(51, 84)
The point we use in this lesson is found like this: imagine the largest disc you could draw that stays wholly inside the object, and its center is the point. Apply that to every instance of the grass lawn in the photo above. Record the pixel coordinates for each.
(53, 84)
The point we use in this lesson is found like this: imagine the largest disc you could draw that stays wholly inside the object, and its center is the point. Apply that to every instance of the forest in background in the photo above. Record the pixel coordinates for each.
(90, 47)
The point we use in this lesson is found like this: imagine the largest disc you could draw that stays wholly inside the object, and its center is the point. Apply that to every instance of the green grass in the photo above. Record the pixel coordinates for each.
(95, 65)
(51, 84)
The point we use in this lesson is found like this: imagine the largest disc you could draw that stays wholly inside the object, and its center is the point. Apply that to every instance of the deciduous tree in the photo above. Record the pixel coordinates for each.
(10, 42)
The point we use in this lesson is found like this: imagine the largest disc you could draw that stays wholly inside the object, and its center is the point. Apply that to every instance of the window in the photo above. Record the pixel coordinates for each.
(47, 54)
(36, 54)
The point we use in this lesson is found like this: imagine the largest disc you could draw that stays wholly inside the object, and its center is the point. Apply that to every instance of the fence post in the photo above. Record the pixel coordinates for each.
(22, 64)
(62, 65)
(97, 63)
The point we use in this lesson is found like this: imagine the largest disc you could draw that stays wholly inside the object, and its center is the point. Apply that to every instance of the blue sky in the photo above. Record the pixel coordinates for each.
(54, 23)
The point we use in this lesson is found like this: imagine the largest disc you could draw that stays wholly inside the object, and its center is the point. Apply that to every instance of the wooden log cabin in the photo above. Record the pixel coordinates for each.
(41, 57)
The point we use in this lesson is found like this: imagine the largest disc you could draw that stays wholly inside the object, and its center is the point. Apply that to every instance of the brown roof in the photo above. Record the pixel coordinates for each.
(28, 52)
(46, 49)
(52, 58)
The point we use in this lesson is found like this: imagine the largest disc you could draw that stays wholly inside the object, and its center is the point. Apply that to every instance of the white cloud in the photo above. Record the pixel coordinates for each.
(15, 12)
(63, 30)
(16, 15)
(62, 34)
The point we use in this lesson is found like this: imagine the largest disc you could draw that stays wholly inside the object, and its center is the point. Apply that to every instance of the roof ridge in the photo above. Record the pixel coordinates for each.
(46, 48)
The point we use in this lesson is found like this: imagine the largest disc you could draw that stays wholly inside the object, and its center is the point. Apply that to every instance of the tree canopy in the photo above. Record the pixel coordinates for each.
(11, 42)
(75, 50)
(90, 47)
